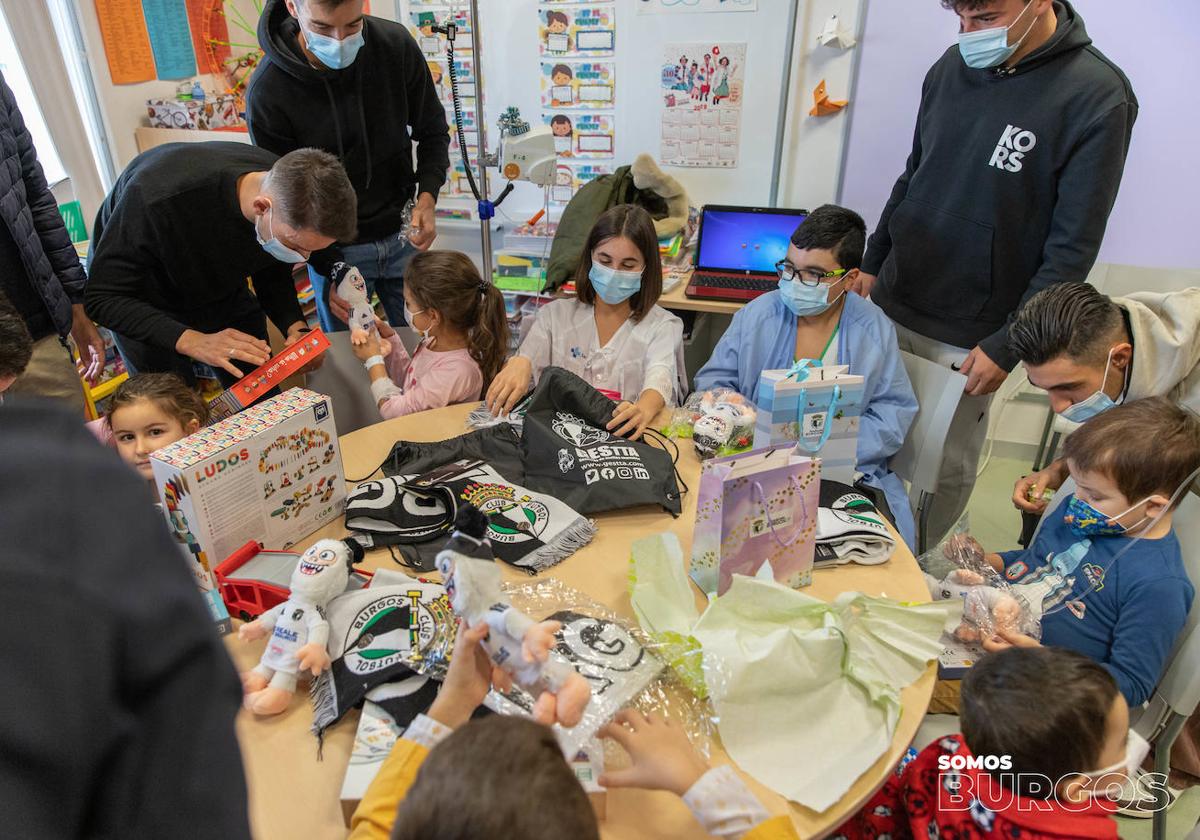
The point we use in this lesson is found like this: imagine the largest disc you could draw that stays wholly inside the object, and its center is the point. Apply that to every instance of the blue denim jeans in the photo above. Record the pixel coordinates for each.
(382, 265)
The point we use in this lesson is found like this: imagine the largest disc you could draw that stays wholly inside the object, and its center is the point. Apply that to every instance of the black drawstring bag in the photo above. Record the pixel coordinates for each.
(567, 452)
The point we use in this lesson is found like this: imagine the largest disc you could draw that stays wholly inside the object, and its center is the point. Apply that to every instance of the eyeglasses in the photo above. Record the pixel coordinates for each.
(806, 276)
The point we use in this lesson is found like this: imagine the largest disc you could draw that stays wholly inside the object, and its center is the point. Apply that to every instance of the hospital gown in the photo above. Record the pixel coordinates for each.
(763, 337)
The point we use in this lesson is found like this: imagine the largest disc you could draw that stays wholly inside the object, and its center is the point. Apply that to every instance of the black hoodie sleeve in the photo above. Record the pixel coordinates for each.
(427, 122)
(880, 242)
(269, 126)
(1087, 190)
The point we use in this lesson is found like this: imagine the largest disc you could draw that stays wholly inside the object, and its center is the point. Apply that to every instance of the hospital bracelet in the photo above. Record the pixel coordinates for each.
(374, 360)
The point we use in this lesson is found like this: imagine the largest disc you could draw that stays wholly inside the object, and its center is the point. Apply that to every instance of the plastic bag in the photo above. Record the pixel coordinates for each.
(957, 568)
(720, 422)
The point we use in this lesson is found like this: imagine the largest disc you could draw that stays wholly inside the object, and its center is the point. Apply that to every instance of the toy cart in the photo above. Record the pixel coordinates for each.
(253, 580)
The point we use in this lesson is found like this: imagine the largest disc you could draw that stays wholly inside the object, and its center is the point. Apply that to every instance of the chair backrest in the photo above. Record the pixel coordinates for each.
(938, 390)
(1179, 689)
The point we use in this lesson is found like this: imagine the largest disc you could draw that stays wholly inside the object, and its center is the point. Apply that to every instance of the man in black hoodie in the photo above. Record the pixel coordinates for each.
(358, 87)
(118, 699)
(1019, 147)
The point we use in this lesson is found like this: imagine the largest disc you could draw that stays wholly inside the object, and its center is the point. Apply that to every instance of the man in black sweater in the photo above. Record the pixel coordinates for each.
(356, 86)
(182, 229)
(118, 699)
(1019, 147)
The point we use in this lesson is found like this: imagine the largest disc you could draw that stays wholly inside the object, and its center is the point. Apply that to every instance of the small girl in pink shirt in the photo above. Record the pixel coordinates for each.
(464, 338)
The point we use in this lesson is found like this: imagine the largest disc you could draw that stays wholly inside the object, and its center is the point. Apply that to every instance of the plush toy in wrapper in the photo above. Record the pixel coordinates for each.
(298, 627)
(515, 642)
(352, 288)
(991, 604)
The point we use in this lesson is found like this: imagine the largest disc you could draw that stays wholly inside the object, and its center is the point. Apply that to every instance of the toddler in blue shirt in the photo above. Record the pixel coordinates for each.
(1118, 601)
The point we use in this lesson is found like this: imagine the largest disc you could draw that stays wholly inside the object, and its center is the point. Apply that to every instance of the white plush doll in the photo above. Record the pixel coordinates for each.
(515, 642)
(352, 288)
(298, 627)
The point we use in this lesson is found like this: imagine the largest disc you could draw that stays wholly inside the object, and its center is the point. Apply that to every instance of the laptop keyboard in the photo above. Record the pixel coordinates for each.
(734, 281)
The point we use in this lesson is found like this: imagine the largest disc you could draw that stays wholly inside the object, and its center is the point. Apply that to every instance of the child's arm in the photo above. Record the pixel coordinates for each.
(444, 381)
(664, 759)
(1149, 620)
(516, 377)
(468, 680)
(659, 382)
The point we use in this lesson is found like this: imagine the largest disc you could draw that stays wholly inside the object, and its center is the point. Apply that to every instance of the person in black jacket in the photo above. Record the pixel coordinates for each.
(39, 269)
(118, 699)
(359, 87)
(1019, 148)
(182, 229)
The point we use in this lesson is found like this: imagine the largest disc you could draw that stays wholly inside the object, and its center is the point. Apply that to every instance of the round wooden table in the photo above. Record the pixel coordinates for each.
(293, 794)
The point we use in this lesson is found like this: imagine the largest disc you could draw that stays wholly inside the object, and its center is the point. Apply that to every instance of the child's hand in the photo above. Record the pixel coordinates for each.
(384, 328)
(1004, 639)
(964, 550)
(629, 420)
(663, 757)
(469, 678)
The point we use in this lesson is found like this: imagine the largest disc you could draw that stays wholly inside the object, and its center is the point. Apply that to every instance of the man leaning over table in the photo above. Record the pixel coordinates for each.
(184, 227)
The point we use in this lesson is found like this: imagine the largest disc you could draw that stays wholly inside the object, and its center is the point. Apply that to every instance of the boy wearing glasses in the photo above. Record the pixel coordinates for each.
(814, 316)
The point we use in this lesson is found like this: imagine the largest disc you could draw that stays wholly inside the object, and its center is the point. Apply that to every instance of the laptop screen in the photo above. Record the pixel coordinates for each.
(733, 239)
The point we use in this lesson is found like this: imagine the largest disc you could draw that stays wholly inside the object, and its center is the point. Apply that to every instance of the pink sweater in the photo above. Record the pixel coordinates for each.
(429, 379)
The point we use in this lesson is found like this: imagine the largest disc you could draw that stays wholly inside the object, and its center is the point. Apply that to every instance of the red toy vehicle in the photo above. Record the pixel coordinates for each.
(253, 580)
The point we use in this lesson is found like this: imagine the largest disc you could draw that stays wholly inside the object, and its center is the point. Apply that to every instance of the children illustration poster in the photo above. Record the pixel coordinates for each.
(570, 178)
(577, 31)
(669, 7)
(581, 134)
(703, 85)
(578, 84)
(464, 69)
(433, 43)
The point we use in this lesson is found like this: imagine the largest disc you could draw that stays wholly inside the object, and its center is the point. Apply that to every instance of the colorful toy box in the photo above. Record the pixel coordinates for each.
(272, 473)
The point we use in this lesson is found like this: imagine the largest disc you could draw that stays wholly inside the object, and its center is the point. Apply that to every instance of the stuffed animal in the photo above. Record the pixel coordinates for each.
(515, 642)
(298, 627)
(647, 175)
(986, 609)
(352, 288)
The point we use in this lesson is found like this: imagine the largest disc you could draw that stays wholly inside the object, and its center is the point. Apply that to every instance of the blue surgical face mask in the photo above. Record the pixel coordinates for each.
(989, 47)
(614, 286)
(273, 246)
(334, 54)
(1085, 521)
(1097, 403)
(805, 300)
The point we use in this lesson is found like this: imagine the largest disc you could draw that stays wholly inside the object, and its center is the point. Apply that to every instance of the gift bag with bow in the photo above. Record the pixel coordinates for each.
(815, 407)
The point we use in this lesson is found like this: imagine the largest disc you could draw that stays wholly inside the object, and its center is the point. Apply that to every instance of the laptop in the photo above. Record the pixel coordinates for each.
(737, 251)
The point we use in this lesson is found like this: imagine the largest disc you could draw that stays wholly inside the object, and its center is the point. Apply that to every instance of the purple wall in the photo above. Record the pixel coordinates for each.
(1157, 44)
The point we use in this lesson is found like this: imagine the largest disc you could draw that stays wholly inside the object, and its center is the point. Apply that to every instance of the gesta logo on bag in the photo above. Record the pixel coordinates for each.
(221, 465)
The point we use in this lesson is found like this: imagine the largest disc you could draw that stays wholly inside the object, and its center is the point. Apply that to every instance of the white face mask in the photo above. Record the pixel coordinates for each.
(1136, 750)
(409, 315)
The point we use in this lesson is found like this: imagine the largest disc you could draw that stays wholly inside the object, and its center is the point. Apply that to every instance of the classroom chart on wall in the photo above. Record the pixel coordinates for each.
(577, 31)
(126, 41)
(579, 134)
(702, 86)
(580, 84)
(677, 7)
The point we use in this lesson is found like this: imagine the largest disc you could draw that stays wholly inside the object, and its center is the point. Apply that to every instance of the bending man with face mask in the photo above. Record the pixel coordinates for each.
(182, 229)
(1090, 352)
(813, 316)
(1018, 152)
(358, 87)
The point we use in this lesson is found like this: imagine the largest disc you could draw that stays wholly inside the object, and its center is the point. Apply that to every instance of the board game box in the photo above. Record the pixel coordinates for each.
(272, 473)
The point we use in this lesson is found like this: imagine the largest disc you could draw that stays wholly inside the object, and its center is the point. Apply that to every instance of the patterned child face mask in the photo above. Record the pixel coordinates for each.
(1086, 521)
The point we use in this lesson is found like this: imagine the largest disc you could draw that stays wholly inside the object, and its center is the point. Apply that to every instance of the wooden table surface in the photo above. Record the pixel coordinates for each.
(293, 794)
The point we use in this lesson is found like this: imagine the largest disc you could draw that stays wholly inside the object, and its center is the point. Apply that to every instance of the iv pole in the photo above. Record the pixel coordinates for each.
(486, 208)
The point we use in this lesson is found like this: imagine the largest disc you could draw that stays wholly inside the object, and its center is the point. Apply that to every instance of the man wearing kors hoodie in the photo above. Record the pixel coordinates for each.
(1089, 352)
(358, 87)
(1020, 143)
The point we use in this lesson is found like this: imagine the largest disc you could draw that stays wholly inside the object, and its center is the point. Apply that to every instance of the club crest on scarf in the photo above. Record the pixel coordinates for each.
(511, 518)
(397, 628)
